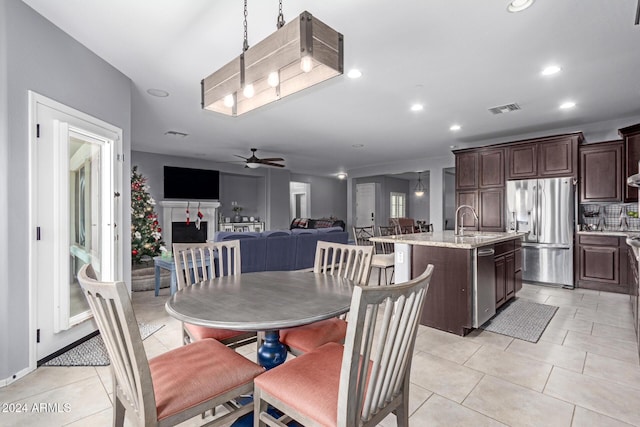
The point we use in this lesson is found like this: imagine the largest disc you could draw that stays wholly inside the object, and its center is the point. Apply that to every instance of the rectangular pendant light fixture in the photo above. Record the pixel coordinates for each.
(302, 53)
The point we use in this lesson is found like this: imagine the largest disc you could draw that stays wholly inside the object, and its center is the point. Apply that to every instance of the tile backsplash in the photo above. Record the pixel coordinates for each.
(609, 216)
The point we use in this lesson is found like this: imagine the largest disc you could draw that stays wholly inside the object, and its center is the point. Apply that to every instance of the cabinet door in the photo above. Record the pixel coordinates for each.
(601, 175)
(556, 158)
(467, 171)
(501, 269)
(468, 198)
(632, 155)
(491, 168)
(510, 276)
(523, 161)
(599, 264)
(491, 209)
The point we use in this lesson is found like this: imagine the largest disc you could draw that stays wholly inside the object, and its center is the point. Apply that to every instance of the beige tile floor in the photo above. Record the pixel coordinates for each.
(583, 372)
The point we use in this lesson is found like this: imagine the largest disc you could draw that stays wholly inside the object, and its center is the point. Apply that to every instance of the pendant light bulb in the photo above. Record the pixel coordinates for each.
(273, 80)
(248, 91)
(228, 101)
(306, 64)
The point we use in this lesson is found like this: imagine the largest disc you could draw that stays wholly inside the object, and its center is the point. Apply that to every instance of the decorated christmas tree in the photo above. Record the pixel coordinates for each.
(146, 237)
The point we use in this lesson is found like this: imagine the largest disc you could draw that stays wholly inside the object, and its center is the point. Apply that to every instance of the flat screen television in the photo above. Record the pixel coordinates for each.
(192, 184)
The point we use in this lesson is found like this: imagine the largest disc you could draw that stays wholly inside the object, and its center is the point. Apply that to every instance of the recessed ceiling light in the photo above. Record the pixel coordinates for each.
(354, 74)
(341, 175)
(519, 5)
(453, 146)
(567, 105)
(158, 92)
(357, 145)
(550, 70)
(455, 127)
(417, 107)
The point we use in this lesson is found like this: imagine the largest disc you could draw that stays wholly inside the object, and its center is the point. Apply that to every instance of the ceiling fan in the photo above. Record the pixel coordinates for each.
(254, 162)
(638, 14)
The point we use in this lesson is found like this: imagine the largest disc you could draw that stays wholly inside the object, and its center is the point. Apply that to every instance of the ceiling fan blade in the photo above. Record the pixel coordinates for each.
(278, 165)
(638, 14)
(273, 159)
(246, 158)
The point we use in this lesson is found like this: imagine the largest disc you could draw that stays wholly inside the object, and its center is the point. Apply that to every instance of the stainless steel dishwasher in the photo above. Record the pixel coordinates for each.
(484, 285)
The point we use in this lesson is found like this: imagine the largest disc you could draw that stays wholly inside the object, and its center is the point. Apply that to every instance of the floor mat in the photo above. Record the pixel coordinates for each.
(93, 351)
(522, 319)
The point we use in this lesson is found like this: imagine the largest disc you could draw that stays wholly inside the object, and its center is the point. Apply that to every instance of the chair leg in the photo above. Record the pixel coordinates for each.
(259, 406)
(118, 411)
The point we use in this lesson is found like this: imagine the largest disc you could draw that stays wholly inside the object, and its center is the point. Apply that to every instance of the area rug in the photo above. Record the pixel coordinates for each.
(93, 351)
(522, 319)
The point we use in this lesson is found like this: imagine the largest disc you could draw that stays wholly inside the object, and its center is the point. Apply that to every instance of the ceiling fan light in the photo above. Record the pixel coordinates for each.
(253, 165)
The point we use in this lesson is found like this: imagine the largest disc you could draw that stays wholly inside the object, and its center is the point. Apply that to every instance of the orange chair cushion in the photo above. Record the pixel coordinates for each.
(202, 332)
(309, 383)
(194, 373)
(309, 337)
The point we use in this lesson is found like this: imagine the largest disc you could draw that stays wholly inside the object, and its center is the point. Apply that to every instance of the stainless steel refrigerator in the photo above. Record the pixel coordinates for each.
(545, 210)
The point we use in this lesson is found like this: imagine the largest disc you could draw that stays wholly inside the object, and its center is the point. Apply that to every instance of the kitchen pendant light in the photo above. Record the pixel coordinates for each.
(419, 190)
(298, 55)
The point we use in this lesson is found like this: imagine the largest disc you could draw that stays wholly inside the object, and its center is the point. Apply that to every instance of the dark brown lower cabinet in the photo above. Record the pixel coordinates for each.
(508, 269)
(634, 291)
(602, 263)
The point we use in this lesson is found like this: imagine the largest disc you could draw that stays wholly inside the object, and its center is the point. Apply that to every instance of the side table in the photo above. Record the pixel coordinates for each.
(169, 264)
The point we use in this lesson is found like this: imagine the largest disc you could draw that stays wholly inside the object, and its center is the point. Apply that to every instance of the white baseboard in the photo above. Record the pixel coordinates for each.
(5, 382)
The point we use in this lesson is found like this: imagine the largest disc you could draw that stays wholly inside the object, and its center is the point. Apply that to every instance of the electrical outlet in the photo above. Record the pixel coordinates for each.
(400, 257)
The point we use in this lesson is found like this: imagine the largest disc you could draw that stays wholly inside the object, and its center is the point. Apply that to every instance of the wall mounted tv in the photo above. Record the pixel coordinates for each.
(192, 184)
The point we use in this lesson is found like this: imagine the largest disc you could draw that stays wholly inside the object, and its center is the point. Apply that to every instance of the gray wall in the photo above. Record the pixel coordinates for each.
(277, 199)
(40, 57)
(328, 195)
(419, 206)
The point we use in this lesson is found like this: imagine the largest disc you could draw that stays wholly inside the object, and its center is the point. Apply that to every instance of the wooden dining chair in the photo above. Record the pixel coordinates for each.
(338, 259)
(380, 261)
(357, 384)
(174, 386)
(386, 247)
(425, 228)
(196, 262)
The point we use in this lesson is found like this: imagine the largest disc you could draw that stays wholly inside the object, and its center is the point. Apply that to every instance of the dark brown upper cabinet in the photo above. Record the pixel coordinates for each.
(544, 157)
(631, 138)
(491, 168)
(601, 172)
(467, 171)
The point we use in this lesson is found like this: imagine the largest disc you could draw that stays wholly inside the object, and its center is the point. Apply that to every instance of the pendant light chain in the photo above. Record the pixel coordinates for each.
(280, 16)
(245, 45)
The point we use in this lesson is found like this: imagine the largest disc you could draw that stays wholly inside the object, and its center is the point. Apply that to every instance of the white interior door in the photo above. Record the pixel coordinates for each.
(300, 200)
(75, 184)
(365, 204)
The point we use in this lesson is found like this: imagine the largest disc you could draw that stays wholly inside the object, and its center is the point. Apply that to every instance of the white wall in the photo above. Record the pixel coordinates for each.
(40, 57)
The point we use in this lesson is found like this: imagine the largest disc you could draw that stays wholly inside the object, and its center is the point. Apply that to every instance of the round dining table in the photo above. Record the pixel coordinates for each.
(263, 301)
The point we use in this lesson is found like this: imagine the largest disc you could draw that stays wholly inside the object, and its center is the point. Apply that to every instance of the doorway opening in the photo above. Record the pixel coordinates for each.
(300, 199)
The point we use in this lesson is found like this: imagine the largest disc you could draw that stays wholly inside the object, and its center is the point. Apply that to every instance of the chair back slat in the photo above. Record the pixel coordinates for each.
(112, 310)
(379, 348)
(387, 248)
(343, 260)
(196, 262)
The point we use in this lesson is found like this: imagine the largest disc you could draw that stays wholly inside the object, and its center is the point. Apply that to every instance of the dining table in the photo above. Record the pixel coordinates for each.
(266, 301)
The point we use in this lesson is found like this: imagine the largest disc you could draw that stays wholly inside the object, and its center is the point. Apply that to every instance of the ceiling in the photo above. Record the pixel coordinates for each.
(456, 57)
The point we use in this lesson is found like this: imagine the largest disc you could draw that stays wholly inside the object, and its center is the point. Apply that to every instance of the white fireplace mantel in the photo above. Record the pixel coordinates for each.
(176, 211)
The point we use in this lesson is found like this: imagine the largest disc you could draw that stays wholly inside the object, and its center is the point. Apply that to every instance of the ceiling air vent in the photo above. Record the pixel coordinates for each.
(505, 108)
(176, 133)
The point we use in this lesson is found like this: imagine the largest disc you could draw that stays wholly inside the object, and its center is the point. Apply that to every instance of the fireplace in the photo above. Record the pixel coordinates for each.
(181, 232)
(174, 214)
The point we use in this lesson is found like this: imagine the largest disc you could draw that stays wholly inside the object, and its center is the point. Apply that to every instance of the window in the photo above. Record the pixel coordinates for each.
(398, 205)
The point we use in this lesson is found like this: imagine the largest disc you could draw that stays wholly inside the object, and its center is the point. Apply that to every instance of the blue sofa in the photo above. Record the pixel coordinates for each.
(280, 250)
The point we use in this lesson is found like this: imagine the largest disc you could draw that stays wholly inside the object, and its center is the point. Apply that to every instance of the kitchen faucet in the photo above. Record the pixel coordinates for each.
(460, 232)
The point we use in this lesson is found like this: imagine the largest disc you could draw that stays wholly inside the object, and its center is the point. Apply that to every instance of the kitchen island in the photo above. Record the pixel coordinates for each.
(474, 274)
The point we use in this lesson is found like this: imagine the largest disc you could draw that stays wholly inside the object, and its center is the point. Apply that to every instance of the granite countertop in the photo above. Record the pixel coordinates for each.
(446, 239)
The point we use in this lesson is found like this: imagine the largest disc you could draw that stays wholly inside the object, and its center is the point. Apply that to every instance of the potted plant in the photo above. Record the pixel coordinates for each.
(237, 217)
